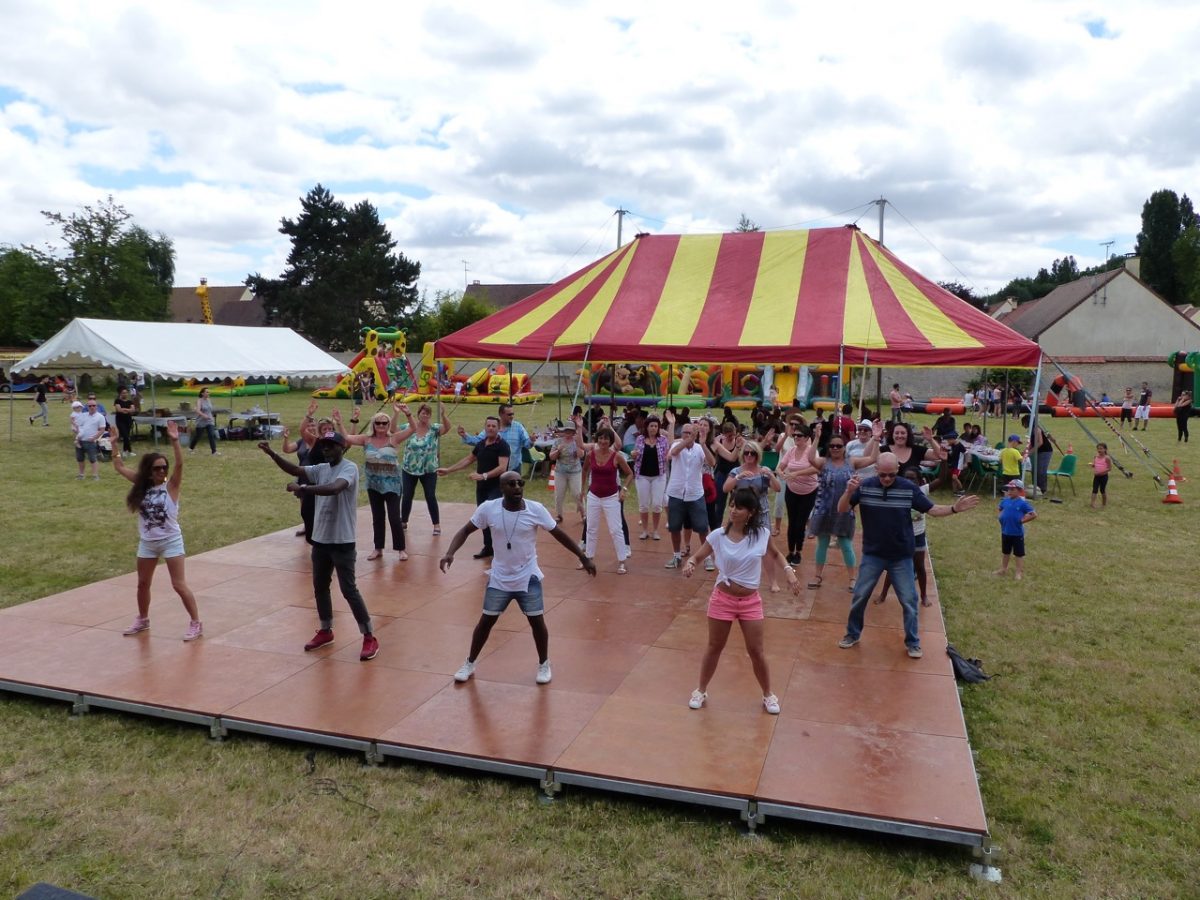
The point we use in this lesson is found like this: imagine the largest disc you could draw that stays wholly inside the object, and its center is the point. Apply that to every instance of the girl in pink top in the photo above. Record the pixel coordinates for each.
(1101, 466)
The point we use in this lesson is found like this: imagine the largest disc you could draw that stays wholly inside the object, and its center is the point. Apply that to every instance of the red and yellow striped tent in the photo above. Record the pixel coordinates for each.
(803, 297)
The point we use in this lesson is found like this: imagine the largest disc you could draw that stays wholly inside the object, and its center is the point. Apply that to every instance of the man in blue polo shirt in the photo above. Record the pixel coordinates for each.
(886, 503)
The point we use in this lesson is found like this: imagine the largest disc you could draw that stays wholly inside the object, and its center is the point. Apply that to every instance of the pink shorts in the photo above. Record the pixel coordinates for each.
(730, 608)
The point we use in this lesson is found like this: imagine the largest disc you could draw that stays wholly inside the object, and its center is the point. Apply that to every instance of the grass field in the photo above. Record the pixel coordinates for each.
(1087, 742)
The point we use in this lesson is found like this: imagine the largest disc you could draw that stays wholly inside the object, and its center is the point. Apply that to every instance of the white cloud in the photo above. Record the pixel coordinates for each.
(506, 134)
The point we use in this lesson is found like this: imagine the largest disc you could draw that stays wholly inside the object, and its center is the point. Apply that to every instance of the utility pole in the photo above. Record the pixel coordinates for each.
(466, 277)
(1106, 245)
(620, 222)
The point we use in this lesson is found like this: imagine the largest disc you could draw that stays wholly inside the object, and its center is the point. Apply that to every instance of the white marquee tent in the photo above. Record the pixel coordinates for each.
(177, 350)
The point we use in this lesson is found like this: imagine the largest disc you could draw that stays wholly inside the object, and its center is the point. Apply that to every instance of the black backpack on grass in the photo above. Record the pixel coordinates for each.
(968, 670)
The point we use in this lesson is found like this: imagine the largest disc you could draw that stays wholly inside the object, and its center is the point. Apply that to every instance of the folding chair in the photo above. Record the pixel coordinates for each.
(1066, 469)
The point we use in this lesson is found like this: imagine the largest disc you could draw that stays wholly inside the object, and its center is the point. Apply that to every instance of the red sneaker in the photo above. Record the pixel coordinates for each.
(320, 639)
(370, 648)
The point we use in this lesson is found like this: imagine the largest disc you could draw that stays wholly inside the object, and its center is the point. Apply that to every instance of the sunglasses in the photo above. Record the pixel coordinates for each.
(159, 467)
(91, 406)
(836, 446)
(750, 453)
(377, 422)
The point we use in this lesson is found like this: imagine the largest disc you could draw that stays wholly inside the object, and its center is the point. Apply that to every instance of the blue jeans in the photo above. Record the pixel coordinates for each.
(903, 579)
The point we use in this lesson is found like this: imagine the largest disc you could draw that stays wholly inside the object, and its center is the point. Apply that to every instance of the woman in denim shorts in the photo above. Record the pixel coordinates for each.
(155, 498)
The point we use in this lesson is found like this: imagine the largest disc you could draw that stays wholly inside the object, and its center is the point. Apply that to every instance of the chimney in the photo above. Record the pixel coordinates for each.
(1133, 265)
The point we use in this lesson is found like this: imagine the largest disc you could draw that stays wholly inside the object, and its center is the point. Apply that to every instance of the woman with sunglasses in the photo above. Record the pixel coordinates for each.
(833, 474)
(384, 484)
(758, 478)
(155, 499)
(740, 548)
(420, 461)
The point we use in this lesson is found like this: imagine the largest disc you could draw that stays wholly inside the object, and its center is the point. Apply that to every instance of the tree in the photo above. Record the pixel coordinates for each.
(32, 300)
(105, 267)
(1185, 256)
(342, 274)
(1165, 216)
(962, 292)
(454, 311)
(746, 224)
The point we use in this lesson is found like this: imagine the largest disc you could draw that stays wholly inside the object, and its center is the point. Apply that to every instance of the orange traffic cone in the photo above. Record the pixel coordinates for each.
(1172, 492)
(1176, 474)
(550, 479)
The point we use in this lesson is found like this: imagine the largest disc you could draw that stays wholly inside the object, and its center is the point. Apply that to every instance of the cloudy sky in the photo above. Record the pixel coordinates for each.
(498, 139)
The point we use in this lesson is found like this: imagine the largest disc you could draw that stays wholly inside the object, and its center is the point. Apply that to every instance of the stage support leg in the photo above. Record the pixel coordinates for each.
(985, 869)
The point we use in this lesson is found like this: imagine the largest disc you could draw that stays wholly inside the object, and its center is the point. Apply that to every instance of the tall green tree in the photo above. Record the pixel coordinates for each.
(1165, 216)
(106, 267)
(342, 274)
(32, 299)
(1185, 256)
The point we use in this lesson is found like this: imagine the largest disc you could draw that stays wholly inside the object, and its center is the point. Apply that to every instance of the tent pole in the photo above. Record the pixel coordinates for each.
(879, 391)
(153, 411)
(582, 369)
(1033, 414)
(558, 385)
(837, 406)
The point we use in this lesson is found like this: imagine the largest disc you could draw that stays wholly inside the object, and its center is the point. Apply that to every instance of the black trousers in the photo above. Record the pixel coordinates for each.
(389, 504)
(485, 491)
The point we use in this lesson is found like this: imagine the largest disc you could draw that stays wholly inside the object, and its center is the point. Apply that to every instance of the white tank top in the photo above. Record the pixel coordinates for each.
(739, 562)
(158, 516)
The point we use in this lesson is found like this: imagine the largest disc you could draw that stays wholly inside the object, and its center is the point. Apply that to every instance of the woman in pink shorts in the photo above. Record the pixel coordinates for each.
(739, 549)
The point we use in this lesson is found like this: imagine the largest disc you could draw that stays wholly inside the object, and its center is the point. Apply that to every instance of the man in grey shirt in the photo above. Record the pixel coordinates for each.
(334, 483)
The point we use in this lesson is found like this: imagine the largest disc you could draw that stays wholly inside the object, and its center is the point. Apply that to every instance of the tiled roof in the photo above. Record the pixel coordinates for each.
(185, 305)
(1032, 318)
(499, 296)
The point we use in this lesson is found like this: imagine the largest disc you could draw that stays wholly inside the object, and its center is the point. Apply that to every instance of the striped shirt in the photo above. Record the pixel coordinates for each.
(887, 516)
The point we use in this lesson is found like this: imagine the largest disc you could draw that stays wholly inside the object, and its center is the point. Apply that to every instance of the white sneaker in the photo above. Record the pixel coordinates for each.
(771, 704)
(709, 564)
(543, 673)
(465, 671)
(698, 698)
(674, 562)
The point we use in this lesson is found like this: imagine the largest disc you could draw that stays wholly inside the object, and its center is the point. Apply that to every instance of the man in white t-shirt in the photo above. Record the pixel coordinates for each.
(858, 447)
(515, 575)
(88, 424)
(685, 489)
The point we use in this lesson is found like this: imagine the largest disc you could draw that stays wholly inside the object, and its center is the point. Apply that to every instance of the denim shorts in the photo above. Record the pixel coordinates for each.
(919, 542)
(164, 548)
(90, 449)
(683, 514)
(496, 600)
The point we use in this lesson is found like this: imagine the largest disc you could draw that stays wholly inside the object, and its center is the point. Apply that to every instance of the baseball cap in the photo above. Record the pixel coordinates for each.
(1015, 486)
(332, 438)
(75, 404)
(566, 426)
(866, 423)
(1014, 437)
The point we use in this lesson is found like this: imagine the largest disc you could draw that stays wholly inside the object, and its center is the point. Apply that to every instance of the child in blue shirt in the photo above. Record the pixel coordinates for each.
(1014, 511)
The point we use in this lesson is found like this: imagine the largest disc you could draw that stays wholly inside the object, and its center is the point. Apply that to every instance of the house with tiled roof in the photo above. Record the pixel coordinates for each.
(499, 296)
(231, 305)
(1110, 329)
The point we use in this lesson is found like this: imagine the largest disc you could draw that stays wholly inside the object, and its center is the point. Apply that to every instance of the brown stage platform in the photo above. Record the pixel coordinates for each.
(867, 739)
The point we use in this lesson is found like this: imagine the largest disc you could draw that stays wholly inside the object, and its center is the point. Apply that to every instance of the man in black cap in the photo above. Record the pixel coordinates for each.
(334, 483)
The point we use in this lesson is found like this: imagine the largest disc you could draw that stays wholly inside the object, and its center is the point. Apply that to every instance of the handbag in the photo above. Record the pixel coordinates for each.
(710, 488)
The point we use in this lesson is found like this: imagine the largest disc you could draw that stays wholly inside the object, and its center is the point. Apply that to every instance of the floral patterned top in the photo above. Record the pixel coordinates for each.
(421, 452)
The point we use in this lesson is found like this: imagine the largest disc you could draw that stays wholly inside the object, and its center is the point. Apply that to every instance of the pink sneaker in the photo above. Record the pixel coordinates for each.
(139, 625)
(194, 631)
